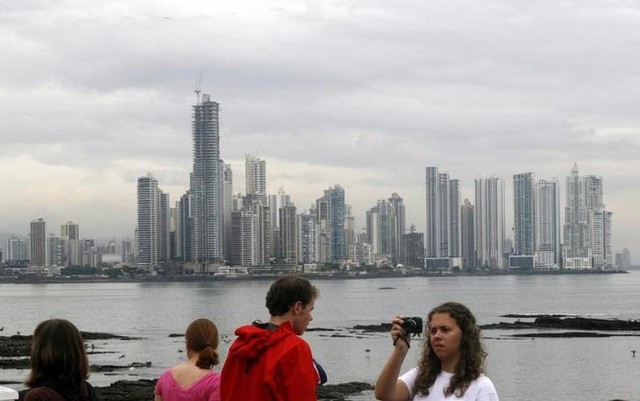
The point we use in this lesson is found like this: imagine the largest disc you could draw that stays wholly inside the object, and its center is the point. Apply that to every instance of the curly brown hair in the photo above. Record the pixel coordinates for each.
(472, 353)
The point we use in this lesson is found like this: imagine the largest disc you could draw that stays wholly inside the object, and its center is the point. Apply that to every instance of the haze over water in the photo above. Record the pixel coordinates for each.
(522, 369)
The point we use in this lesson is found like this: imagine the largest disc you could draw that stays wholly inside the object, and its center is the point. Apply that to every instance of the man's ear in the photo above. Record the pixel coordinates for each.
(296, 307)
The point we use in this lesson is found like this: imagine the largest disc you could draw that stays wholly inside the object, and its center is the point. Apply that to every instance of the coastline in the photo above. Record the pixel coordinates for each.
(39, 279)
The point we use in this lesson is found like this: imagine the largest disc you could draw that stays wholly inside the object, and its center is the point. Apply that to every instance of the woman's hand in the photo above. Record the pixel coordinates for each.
(398, 334)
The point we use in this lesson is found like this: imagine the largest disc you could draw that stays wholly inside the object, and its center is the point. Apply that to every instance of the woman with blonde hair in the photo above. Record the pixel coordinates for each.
(194, 379)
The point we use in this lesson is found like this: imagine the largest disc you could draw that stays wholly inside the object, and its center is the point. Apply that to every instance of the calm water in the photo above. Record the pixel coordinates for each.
(522, 369)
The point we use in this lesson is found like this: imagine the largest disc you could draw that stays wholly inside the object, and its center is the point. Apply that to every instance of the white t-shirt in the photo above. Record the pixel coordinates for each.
(481, 389)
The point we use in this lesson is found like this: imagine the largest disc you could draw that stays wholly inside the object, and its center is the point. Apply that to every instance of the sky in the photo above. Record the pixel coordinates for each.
(365, 94)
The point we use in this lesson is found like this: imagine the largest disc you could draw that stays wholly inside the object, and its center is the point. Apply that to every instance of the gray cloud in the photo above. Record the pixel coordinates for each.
(377, 89)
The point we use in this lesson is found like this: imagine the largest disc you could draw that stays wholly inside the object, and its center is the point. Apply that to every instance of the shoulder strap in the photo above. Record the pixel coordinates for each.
(92, 392)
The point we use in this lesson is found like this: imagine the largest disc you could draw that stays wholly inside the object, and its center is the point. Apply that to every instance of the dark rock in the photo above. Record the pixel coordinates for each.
(15, 346)
(567, 323)
(18, 345)
(112, 368)
(374, 328)
(15, 363)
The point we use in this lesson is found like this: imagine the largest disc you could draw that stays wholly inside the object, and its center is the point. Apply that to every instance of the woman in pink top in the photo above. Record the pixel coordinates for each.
(193, 380)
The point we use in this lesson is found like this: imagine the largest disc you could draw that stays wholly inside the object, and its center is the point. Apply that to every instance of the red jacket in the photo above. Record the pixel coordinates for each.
(268, 365)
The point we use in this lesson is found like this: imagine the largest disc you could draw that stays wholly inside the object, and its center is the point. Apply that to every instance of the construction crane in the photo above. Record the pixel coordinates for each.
(197, 88)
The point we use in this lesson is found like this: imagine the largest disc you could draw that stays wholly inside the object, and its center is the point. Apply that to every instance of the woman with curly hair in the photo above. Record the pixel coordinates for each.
(194, 379)
(451, 365)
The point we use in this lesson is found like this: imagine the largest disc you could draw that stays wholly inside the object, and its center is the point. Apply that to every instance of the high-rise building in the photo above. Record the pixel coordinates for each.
(587, 227)
(276, 202)
(38, 241)
(400, 229)
(442, 215)
(164, 230)
(414, 248)
(17, 248)
(547, 224)
(524, 214)
(70, 234)
(243, 237)
(307, 238)
(467, 234)
(288, 234)
(127, 251)
(227, 209)
(349, 230)
(330, 214)
(432, 232)
(184, 228)
(256, 176)
(381, 229)
(489, 223)
(149, 224)
(206, 202)
(55, 251)
(70, 230)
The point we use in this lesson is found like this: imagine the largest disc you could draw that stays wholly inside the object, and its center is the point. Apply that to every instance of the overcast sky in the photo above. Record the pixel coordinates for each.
(365, 94)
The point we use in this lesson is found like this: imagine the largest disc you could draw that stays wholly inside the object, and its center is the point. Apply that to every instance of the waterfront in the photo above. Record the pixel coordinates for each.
(522, 369)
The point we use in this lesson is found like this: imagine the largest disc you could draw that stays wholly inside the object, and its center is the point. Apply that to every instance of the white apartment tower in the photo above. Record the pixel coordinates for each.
(256, 176)
(547, 224)
(587, 228)
(442, 236)
(148, 222)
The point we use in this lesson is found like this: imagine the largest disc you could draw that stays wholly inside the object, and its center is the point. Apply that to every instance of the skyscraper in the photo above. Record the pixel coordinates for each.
(70, 234)
(38, 240)
(288, 234)
(381, 229)
(330, 214)
(148, 222)
(442, 215)
(227, 209)
(489, 223)
(206, 184)
(587, 228)
(307, 238)
(256, 176)
(524, 213)
(547, 224)
(243, 237)
(467, 234)
(400, 229)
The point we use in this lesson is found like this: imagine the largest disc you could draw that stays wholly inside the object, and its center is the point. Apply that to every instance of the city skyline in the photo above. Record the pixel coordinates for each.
(363, 97)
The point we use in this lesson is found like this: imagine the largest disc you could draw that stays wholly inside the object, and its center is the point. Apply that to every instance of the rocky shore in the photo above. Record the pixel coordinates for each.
(142, 390)
(589, 327)
(14, 354)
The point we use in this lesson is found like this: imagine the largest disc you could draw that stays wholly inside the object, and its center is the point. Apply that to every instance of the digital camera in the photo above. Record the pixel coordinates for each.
(412, 325)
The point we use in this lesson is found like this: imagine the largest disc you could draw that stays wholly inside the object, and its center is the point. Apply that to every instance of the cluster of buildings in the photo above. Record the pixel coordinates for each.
(474, 235)
(212, 230)
(47, 253)
(210, 227)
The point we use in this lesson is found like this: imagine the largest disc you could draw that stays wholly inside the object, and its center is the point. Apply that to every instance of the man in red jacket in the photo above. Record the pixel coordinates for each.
(269, 361)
